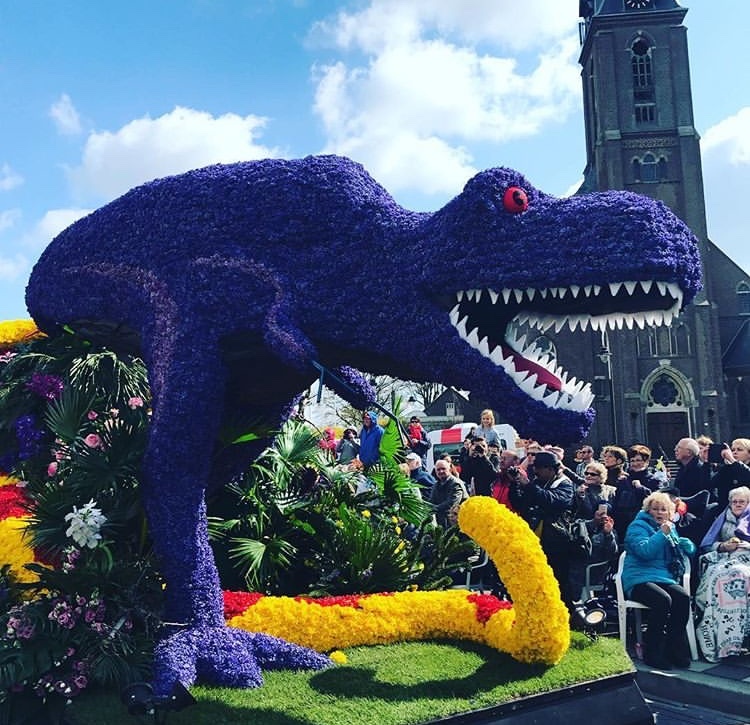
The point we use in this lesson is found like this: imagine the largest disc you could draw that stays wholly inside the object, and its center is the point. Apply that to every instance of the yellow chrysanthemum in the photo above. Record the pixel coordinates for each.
(14, 331)
(14, 548)
(338, 657)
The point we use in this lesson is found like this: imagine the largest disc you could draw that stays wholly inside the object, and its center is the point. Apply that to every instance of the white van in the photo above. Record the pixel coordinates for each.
(451, 440)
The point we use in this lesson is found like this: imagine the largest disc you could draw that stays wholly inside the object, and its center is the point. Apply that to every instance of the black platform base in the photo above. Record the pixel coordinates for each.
(615, 700)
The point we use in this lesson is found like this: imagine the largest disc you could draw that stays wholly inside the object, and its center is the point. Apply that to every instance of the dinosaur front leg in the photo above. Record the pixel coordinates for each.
(197, 644)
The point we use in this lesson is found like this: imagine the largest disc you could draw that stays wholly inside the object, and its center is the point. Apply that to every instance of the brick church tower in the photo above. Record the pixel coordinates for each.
(655, 385)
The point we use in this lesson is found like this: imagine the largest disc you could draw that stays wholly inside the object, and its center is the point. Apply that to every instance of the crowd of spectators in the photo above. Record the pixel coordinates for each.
(592, 508)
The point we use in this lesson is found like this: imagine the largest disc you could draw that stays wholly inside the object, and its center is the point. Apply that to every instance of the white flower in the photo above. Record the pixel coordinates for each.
(85, 524)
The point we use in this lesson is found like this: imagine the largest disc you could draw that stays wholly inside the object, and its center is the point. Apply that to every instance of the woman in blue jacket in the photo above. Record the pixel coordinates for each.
(652, 574)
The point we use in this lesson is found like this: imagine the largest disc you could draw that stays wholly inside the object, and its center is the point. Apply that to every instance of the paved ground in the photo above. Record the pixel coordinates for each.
(674, 713)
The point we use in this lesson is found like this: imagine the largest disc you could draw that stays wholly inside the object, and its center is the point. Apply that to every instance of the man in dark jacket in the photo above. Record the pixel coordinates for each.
(692, 477)
(447, 494)
(477, 471)
(419, 476)
(544, 500)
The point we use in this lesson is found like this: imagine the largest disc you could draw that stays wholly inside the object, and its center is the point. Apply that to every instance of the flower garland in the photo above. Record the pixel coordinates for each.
(13, 515)
(534, 629)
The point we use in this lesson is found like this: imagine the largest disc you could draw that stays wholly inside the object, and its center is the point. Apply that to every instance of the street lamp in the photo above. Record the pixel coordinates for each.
(605, 356)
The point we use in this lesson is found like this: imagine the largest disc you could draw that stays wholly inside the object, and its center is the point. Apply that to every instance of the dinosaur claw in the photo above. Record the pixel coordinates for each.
(226, 657)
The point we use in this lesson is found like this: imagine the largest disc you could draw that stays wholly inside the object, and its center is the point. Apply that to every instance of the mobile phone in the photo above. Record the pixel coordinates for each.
(603, 508)
(714, 452)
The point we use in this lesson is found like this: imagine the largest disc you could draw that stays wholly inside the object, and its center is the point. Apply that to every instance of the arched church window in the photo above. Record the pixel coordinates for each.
(643, 80)
(665, 392)
(648, 167)
(743, 298)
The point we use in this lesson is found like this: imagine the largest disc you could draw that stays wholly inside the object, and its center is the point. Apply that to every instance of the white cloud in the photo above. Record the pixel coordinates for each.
(396, 22)
(730, 138)
(13, 268)
(725, 153)
(8, 218)
(50, 225)
(147, 148)
(65, 116)
(9, 179)
(413, 110)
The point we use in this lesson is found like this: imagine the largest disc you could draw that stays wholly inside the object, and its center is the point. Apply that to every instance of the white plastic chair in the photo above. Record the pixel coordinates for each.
(623, 604)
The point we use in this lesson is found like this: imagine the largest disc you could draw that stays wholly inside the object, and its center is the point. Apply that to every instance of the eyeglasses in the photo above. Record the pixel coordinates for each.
(591, 473)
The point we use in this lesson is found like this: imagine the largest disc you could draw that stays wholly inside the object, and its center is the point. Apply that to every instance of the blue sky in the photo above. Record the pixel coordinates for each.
(96, 98)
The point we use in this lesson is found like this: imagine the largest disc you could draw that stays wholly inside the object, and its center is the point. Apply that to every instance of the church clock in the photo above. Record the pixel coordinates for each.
(638, 4)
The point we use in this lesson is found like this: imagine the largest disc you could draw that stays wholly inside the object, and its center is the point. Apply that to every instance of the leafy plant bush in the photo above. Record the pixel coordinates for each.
(73, 426)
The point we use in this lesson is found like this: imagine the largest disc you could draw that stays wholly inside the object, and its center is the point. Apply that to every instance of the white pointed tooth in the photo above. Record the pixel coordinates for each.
(497, 356)
(597, 289)
(678, 297)
(519, 295)
(571, 384)
(454, 315)
(521, 342)
(579, 401)
(580, 385)
(614, 288)
(544, 361)
(646, 285)
(484, 347)
(575, 289)
(612, 321)
(544, 292)
(493, 295)
(547, 323)
(620, 323)
(572, 322)
(629, 321)
(587, 290)
(529, 384)
(585, 323)
(563, 377)
(461, 327)
(477, 295)
(640, 320)
(553, 292)
(560, 323)
(562, 291)
(538, 392)
(552, 399)
(530, 293)
(506, 295)
(460, 295)
(522, 317)
(630, 287)
(534, 320)
(662, 288)
(473, 337)
(470, 295)
(519, 376)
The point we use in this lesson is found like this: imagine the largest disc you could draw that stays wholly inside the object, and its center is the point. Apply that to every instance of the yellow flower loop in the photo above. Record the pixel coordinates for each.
(534, 630)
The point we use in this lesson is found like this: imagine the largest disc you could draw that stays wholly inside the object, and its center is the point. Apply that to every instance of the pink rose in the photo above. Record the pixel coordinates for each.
(52, 469)
(135, 402)
(92, 440)
(92, 415)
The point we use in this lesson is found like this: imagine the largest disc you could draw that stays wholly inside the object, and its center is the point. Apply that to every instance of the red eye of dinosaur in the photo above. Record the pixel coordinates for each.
(515, 200)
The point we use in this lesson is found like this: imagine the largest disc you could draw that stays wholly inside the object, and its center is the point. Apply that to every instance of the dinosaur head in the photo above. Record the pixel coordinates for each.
(506, 254)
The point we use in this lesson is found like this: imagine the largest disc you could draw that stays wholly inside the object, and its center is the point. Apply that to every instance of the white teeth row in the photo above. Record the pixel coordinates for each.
(573, 292)
(575, 394)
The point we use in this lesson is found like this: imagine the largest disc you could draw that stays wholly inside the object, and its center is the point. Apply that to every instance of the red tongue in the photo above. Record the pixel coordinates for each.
(544, 376)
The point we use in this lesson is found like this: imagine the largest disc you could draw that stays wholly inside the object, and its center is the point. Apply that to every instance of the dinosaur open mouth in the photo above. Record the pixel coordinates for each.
(483, 319)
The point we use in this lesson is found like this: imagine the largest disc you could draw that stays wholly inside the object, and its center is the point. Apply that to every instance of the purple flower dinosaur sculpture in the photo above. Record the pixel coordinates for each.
(232, 279)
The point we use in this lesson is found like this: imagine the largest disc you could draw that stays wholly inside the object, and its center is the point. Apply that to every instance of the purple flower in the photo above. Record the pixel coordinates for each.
(45, 386)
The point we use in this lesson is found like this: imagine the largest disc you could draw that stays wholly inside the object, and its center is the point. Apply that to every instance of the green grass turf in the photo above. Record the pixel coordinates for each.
(399, 684)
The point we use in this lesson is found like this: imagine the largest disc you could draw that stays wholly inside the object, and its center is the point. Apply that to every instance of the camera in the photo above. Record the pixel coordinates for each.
(478, 450)
(513, 471)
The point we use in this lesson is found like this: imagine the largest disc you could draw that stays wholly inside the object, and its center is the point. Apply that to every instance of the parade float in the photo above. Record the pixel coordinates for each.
(221, 282)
